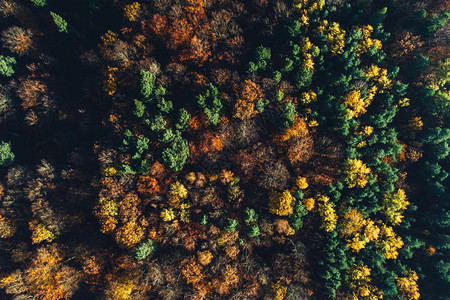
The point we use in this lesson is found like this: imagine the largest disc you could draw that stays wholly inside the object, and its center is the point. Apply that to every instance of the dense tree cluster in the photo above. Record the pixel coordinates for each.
(212, 149)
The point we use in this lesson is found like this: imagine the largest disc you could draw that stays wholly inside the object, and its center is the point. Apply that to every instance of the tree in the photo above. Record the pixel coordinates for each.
(407, 285)
(39, 3)
(247, 95)
(281, 204)
(389, 242)
(263, 56)
(253, 231)
(250, 215)
(147, 84)
(183, 120)
(327, 213)
(46, 277)
(356, 173)
(231, 225)
(6, 155)
(144, 250)
(360, 283)
(287, 114)
(177, 154)
(211, 104)
(393, 206)
(191, 270)
(7, 65)
(60, 23)
(17, 40)
(131, 11)
(139, 109)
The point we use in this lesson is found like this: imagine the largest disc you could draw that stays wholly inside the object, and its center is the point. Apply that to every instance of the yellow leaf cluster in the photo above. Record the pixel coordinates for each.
(335, 35)
(7, 227)
(358, 231)
(204, 257)
(120, 289)
(228, 238)
(302, 183)
(309, 203)
(308, 97)
(393, 206)
(304, 18)
(327, 213)
(367, 130)
(389, 242)
(404, 102)
(40, 233)
(177, 192)
(107, 213)
(131, 11)
(110, 85)
(167, 214)
(367, 42)
(232, 251)
(356, 105)
(360, 284)
(129, 234)
(416, 123)
(110, 171)
(407, 285)
(279, 290)
(356, 173)
(379, 75)
(298, 129)
(109, 38)
(281, 204)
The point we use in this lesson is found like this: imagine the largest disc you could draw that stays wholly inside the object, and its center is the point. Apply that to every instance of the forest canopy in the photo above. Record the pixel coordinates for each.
(214, 149)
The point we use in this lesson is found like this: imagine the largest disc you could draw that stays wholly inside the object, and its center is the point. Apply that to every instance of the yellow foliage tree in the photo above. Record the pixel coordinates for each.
(120, 288)
(7, 227)
(309, 203)
(335, 35)
(379, 75)
(302, 183)
(47, 277)
(279, 290)
(177, 193)
(107, 211)
(356, 105)
(360, 284)
(40, 233)
(131, 11)
(129, 234)
(281, 204)
(367, 42)
(167, 214)
(393, 206)
(358, 231)
(407, 285)
(308, 97)
(327, 213)
(356, 173)
(204, 257)
(389, 242)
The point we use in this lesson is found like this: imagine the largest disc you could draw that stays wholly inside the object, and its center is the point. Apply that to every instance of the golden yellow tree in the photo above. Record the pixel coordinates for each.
(394, 205)
(327, 213)
(360, 284)
(358, 231)
(389, 242)
(407, 285)
(281, 204)
(356, 173)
